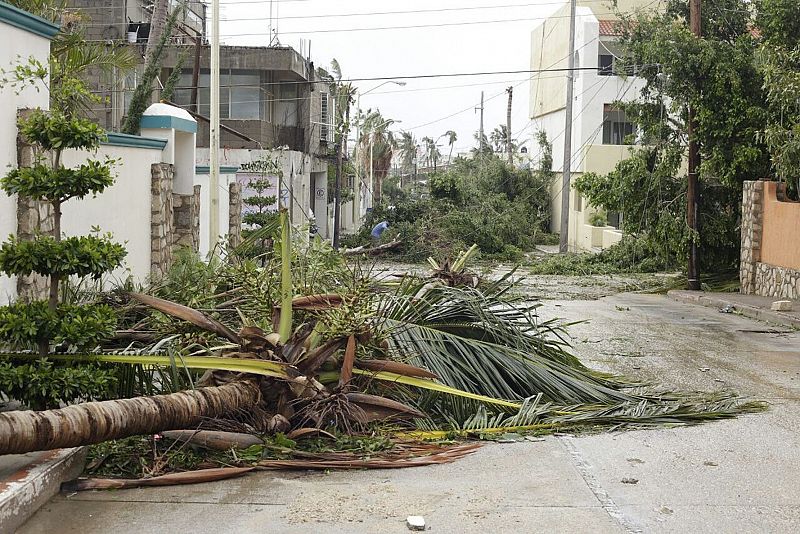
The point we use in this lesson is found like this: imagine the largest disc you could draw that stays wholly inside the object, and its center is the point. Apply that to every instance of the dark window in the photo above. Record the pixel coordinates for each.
(616, 128)
(605, 65)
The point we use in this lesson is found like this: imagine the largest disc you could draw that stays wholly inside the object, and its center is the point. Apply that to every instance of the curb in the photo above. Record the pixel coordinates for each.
(26, 490)
(761, 314)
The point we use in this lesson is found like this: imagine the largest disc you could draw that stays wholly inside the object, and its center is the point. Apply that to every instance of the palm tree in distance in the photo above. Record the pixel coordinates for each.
(407, 147)
(451, 140)
(501, 138)
(377, 144)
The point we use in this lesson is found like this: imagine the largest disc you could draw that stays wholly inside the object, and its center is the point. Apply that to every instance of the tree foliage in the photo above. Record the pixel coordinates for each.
(731, 77)
(503, 209)
(143, 92)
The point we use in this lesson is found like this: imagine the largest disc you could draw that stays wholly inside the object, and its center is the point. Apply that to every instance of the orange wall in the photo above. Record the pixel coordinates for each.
(780, 240)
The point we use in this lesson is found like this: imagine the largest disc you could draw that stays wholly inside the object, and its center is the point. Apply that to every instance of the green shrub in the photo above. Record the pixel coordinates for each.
(43, 384)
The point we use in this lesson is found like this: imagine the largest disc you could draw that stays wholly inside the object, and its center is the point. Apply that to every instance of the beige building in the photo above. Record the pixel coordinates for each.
(601, 134)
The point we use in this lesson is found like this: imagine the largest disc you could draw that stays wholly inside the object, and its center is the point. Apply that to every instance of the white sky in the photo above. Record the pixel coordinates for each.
(502, 46)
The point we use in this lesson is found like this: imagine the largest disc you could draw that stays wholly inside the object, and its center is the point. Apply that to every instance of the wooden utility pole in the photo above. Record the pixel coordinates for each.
(693, 186)
(509, 147)
(565, 186)
(480, 131)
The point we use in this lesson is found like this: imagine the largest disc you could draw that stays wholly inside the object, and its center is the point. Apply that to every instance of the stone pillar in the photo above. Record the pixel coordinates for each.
(161, 226)
(752, 227)
(235, 214)
(186, 221)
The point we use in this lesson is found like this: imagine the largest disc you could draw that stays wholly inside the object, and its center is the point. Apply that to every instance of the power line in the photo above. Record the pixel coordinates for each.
(412, 26)
(401, 77)
(406, 12)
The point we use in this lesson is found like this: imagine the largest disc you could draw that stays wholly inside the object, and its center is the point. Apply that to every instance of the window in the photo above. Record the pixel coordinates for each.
(605, 65)
(240, 94)
(616, 128)
(610, 61)
(286, 107)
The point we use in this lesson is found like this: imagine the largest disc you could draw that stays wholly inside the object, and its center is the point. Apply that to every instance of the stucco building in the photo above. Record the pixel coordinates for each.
(601, 134)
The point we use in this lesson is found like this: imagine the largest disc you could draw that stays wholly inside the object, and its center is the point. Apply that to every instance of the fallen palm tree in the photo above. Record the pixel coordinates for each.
(426, 357)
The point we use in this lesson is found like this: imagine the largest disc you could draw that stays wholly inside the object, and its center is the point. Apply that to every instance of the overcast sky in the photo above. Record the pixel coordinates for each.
(500, 46)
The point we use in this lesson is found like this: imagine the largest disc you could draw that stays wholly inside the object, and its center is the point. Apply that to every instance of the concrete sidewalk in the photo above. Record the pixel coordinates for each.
(738, 475)
(753, 306)
(27, 481)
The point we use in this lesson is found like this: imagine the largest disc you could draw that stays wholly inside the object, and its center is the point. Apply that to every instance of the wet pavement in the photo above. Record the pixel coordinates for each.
(737, 475)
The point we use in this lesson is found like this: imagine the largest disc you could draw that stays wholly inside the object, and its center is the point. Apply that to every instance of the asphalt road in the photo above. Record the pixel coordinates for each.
(738, 475)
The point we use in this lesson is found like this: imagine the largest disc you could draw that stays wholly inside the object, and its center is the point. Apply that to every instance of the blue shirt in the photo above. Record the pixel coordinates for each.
(379, 229)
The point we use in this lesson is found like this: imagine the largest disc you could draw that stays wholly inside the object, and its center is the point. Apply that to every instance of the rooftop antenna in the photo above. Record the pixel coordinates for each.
(273, 23)
(270, 20)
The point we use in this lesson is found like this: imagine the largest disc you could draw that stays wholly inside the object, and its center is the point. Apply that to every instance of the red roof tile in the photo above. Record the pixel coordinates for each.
(608, 27)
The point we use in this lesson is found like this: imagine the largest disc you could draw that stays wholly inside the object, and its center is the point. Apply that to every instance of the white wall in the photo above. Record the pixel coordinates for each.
(296, 168)
(123, 209)
(17, 43)
(205, 212)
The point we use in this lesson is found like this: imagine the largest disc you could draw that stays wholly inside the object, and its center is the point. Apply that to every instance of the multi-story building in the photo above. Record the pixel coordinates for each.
(601, 134)
(272, 103)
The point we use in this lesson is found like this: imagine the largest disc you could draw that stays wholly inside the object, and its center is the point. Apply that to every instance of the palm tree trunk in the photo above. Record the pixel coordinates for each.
(157, 24)
(94, 422)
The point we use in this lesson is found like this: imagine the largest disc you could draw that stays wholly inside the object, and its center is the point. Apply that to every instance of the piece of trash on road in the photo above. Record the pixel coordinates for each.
(627, 480)
(704, 369)
(727, 309)
(710, 463)
(415, 522)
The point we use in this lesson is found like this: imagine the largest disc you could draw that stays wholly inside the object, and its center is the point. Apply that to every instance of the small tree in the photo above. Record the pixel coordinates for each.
(261, 214)
(41, 323)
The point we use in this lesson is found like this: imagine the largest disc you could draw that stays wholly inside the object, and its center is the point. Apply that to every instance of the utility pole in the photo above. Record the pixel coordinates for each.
(480, 131)
(509, 148)
(693, 187)
(565, 186)
(213, 178)
(337, 196)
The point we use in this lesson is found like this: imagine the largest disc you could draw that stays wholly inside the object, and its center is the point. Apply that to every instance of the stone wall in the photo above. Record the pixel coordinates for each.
(777, 282)
(186, 221)
(161, 224)
(235, 214)
(756, 277)
(752, 224)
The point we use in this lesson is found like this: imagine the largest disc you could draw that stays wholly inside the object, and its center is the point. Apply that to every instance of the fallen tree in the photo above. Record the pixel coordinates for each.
(322, 347)
(93, 422)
